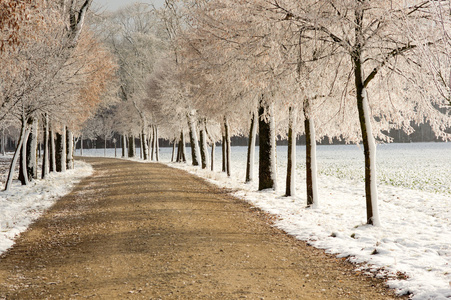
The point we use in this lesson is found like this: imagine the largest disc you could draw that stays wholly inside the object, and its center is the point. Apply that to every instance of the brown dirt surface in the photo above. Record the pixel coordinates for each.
(147, 231)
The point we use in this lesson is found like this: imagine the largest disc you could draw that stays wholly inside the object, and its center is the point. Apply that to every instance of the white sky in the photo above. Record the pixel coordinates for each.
(112, 5)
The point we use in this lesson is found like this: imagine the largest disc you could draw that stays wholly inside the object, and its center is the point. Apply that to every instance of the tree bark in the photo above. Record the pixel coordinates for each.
(69, 150)
(31, 150)
(181, 156)
(213, 149)
(131, 146)
(124, 145)
(52, 165)
(267, 142)
(369, 144)
(251, 149)
(204, 149)
(228, 147)
(145, 149)
(193, 139)
(45, 159)
(224, 156)
(60, 151)
(174, 142)
(152, 152)
(3, 148)
(291, 163)
(157, 145)
(310, 159)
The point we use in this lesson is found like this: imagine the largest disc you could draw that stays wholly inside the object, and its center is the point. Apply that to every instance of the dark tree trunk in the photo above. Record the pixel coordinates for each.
(31, 150)
(213, 148)
(174, 143)
(131, 146)
(45, 159)
(193, 141)
(228, 147)
(124, 145)
(60, 152)
(251, 150)
(224, 156)
(203, 149)
(157, 145)
(266, 169)
(291, 163)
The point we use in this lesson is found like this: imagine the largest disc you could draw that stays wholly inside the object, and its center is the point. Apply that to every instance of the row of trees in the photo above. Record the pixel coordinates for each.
(346, 69)
(207, 70)
(53, 74)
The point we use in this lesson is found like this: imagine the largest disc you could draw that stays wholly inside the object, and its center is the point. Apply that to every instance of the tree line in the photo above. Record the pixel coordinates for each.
(203, 71)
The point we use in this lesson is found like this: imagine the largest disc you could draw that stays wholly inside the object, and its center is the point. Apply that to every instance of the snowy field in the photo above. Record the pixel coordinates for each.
(414, 202)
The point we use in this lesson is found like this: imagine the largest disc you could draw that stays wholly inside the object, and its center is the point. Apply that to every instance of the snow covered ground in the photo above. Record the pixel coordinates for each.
(415, 203)
(20, 206)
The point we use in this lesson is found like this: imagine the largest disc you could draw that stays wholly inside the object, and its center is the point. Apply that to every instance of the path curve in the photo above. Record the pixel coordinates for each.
(146, 231)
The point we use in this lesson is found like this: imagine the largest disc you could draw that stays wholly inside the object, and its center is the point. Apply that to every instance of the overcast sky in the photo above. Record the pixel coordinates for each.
(112, 5)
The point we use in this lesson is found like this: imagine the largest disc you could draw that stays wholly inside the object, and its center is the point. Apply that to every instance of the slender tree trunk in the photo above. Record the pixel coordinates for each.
(115, 147)
(224, 156)
(181, 157)
(22, 138)
(31, 150)
(2, 149)
(69, 150)
(45, 159)
(104, 145)
(310, 157)
(291, 164)
(267, 153)
(145, 146)
(81, 145)
(174, 143)
(124, 145)
(251, 149)
(152, 151)
(131, 146)
(213, 149)
(52, 166)
(204, 149)
(157, 145)
(369, 144)
(228, 147)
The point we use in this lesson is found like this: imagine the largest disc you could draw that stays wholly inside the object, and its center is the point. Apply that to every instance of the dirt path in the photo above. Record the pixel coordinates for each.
(146, 231)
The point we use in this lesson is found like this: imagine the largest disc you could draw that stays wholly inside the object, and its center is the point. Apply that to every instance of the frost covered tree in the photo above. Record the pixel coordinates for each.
(380, 55)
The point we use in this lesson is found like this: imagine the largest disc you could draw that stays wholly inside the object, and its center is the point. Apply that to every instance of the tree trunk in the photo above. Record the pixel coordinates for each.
(45, 159)
(193, 140)
(157, 145)
(173, 149)
(204, 149)
(69, 150)
(3, 148)
(213, 149)
(291, 163)
(251, 150)
(131, 146)
(32, 149)
(310, 158)
(145, 149)
(267, 153)
(228, 147)
(152, 152)
(369, 144)
(60, 151)
(124, 145)
(224, 156)
(181, 157)
(52, 165)
(22, 138)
